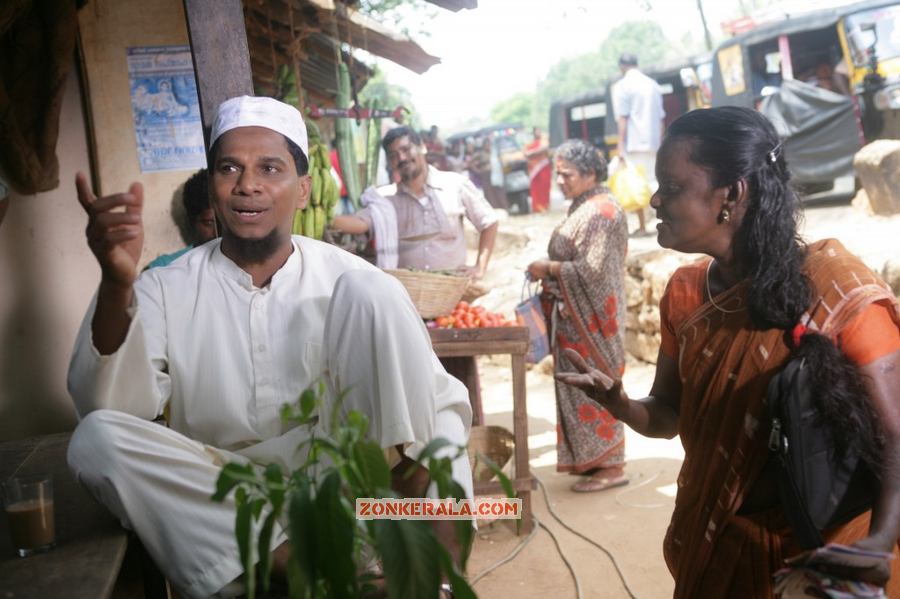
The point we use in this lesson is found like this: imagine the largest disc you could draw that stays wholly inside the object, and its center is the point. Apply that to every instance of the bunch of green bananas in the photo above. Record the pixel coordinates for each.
(323, 197)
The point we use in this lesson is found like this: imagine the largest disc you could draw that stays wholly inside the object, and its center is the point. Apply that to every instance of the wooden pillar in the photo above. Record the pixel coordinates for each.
(221, 56)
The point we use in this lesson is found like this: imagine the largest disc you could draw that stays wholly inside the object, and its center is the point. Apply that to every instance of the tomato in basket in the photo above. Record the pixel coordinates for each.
(467, 316)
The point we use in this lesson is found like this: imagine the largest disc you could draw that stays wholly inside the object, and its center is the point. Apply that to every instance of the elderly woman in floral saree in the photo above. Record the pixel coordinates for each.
(729, 324)
(584, 281)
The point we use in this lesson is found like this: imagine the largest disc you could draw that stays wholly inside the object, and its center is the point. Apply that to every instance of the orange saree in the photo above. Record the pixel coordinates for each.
(539, 176)
(725, 367)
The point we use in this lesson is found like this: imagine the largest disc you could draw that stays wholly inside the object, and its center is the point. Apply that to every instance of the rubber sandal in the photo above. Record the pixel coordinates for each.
(592, 485)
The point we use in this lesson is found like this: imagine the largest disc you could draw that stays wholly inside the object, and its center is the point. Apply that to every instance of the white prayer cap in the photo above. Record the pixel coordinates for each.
(260, 111)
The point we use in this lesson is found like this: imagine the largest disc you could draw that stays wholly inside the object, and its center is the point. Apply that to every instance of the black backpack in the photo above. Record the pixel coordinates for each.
(816, 487)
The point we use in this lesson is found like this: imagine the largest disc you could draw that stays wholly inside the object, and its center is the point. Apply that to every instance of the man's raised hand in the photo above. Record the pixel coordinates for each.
(115, 231)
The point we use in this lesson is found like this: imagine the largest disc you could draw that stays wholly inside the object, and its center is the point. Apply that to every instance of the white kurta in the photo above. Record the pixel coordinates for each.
(224, 356)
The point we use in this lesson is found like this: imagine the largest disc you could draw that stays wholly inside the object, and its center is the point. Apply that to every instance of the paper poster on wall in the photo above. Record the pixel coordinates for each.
(165, 108)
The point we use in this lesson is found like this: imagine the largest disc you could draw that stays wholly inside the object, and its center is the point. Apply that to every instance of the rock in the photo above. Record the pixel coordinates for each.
(633, 318)
(634, 295)
(861, 202)
(891, 275)
(648, 273)
(878, 167)
(649, 320)
(642, 346)
(659, 271)
(636, 261)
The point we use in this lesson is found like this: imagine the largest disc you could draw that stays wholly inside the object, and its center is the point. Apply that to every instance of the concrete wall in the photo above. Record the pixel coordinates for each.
(108, 28)
(47, 273)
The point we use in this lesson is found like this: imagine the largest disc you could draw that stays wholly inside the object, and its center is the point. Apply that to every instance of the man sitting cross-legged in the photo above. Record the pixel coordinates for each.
(224, 337)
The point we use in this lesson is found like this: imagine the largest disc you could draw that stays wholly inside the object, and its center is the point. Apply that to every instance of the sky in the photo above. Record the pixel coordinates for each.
(507, 46)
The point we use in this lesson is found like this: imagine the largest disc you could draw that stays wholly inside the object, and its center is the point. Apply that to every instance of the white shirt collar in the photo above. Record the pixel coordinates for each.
(291, 269)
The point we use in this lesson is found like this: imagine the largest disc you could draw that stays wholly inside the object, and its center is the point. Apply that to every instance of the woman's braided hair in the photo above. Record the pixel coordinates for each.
(735, 143)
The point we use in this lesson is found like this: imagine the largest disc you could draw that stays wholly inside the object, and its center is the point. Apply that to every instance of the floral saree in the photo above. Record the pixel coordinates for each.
(725, 367)
(587, 314)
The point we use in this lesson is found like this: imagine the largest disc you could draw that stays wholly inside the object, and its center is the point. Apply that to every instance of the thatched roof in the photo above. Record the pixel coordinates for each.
(301, 34)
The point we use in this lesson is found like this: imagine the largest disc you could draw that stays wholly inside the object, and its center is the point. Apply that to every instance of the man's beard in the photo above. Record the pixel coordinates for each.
(254, 251)
(410, 172)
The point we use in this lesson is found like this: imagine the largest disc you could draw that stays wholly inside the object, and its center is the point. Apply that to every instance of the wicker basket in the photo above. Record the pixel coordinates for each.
(495, 442)
(433, 294)
(474, 290)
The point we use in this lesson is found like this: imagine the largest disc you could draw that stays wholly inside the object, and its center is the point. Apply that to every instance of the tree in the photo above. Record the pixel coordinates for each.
(592, 71)
(516, 109)
(407, 16)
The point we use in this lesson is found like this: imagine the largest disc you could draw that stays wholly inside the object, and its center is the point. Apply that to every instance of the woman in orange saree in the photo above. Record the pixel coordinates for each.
(540, 173)
(726, 328)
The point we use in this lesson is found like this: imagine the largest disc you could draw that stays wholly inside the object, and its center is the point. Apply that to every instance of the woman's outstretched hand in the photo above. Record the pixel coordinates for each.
(596, 385)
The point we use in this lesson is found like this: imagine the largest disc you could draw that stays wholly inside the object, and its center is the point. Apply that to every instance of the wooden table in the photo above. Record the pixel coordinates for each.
(499, 340)
(90, 543)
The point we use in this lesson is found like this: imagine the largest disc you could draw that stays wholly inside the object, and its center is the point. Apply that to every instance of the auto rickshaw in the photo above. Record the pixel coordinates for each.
(507, 148)
(828, 79)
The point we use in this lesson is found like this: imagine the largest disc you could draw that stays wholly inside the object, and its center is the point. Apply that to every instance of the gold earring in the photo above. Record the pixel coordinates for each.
(725, 215)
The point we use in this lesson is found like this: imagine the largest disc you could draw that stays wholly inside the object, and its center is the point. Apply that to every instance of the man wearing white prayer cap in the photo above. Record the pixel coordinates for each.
(224, 336)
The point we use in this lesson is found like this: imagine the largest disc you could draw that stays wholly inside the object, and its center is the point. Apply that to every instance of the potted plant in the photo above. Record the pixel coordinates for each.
(329, 546)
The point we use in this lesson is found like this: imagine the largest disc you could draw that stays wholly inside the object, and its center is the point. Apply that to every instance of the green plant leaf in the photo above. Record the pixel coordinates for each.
(336, 422)
(358, 422)
(302, 530)
(275, 484)
(465, 532)
(265, 553)
(372, 465)
(504, 480)
(410, 557)
(441, 472)
(307, 403)
(335, 531)
(461, 588)
(298, 588)
(230, 476)
(256, 507)
(243, 528)
(434, 446)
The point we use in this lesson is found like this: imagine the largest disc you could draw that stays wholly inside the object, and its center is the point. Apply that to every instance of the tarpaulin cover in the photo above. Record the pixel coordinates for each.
(818, 128)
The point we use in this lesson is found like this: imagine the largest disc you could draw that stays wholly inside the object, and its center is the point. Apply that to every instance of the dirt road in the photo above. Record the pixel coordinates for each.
(630, 521)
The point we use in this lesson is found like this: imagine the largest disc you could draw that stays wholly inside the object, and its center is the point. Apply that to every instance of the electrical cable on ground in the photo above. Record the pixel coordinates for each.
(591, 541)
(633, 488)
(538, 524)
(512, 555)
(562, 555)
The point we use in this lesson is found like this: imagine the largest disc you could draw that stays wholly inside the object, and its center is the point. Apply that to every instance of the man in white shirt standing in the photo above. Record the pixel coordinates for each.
(430, 205)
(637, 101)
(227, 334)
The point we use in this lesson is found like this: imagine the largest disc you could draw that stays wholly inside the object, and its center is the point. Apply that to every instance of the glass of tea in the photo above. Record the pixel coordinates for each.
(28, 502)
